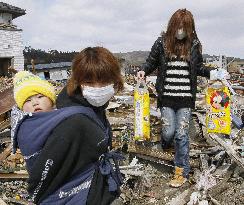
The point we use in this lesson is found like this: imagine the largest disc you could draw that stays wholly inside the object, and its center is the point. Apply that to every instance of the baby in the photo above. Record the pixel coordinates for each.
(35, 99)
(32, 94)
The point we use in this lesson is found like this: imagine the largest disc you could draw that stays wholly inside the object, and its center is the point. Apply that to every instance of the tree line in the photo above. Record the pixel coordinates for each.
(42, 57)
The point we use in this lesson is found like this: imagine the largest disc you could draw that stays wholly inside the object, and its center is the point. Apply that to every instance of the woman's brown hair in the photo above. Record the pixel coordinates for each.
(94, 64)
(182, 18)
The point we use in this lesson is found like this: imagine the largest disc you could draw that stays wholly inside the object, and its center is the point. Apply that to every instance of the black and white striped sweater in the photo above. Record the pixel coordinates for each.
(177, 87)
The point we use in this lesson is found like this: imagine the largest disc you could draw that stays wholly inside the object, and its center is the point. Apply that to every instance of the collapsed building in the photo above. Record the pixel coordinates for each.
(217, 160)
(11, 60)
(11, 45)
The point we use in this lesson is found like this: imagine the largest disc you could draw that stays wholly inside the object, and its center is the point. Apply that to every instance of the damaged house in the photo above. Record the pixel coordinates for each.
(11, 60)
(52, 71)
(11, 44)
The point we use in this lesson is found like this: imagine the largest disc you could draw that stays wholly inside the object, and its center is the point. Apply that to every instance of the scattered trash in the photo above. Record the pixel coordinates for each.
(216, 160)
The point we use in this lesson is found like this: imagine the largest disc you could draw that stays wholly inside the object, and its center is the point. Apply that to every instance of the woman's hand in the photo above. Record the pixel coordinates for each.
(219, 74)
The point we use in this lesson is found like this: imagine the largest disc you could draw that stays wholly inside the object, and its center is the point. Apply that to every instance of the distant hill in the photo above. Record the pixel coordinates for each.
(134, 57)
(139, 57)
(54, 56)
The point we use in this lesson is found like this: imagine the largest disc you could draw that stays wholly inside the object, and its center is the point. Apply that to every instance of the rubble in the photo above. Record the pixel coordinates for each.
(217, 162)
(212, 154)
(14, 192)
(6, 100)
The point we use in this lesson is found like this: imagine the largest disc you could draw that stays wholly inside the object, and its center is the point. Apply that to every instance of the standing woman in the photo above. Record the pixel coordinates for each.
(74, 165)
(178, 58)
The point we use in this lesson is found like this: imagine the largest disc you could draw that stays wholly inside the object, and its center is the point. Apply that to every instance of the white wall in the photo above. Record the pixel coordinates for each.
(11, 46)
(220, 61)
(41, 75)
(58, 74)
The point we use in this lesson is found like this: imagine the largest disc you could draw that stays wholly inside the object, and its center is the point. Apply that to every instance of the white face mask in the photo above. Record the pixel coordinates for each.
(180, 34)
(98, 96)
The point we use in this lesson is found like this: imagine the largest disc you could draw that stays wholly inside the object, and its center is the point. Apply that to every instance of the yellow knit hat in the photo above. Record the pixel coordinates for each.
(27, 84)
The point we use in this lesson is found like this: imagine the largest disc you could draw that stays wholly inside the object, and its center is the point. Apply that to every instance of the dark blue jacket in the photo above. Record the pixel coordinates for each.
(68, 160)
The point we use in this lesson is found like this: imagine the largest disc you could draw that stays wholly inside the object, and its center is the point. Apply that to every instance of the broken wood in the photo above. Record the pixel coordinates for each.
(214, 201)
(5, 124)
(132, 169)
(220, 187)
(19, 202)
(131, 172)
(2, 202)
(180, 199)
(13, 176)
(220, 158)
(204, 162)
(201, 145)
(5, 136)
(155, 160)
(6, 100)
(229, 149)
(158, 155)
(209, 151)
(5, 153)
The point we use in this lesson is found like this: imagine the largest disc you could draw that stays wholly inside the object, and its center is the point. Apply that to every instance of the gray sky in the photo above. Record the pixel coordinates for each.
(128, 25)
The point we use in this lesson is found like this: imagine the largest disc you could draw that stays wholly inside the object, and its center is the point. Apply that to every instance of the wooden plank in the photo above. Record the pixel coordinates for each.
(204, 162)
(2, 202)
(6, 100)
(5, 124)
(5, 134)
(19, 202)
(156, 154)
(5, 153)
(229, 150)
(13, 176)
(220, 187)
(180, 199)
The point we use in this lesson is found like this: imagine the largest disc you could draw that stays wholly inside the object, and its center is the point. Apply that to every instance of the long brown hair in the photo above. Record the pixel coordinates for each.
(95, 64)
(182, 18)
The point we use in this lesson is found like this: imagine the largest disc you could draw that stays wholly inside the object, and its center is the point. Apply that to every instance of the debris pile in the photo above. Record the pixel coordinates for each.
(217, 161)
(5, 83)
(13, 163)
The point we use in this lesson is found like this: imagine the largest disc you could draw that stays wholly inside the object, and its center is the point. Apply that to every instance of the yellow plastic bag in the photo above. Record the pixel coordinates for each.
(142, 112)
(218, 118)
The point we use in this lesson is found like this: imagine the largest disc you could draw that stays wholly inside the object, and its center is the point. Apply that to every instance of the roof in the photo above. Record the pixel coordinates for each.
(15, 11)
(51, 65)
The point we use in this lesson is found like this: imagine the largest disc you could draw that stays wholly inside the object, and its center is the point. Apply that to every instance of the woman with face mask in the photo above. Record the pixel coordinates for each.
(74, 167)
(177, 56)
